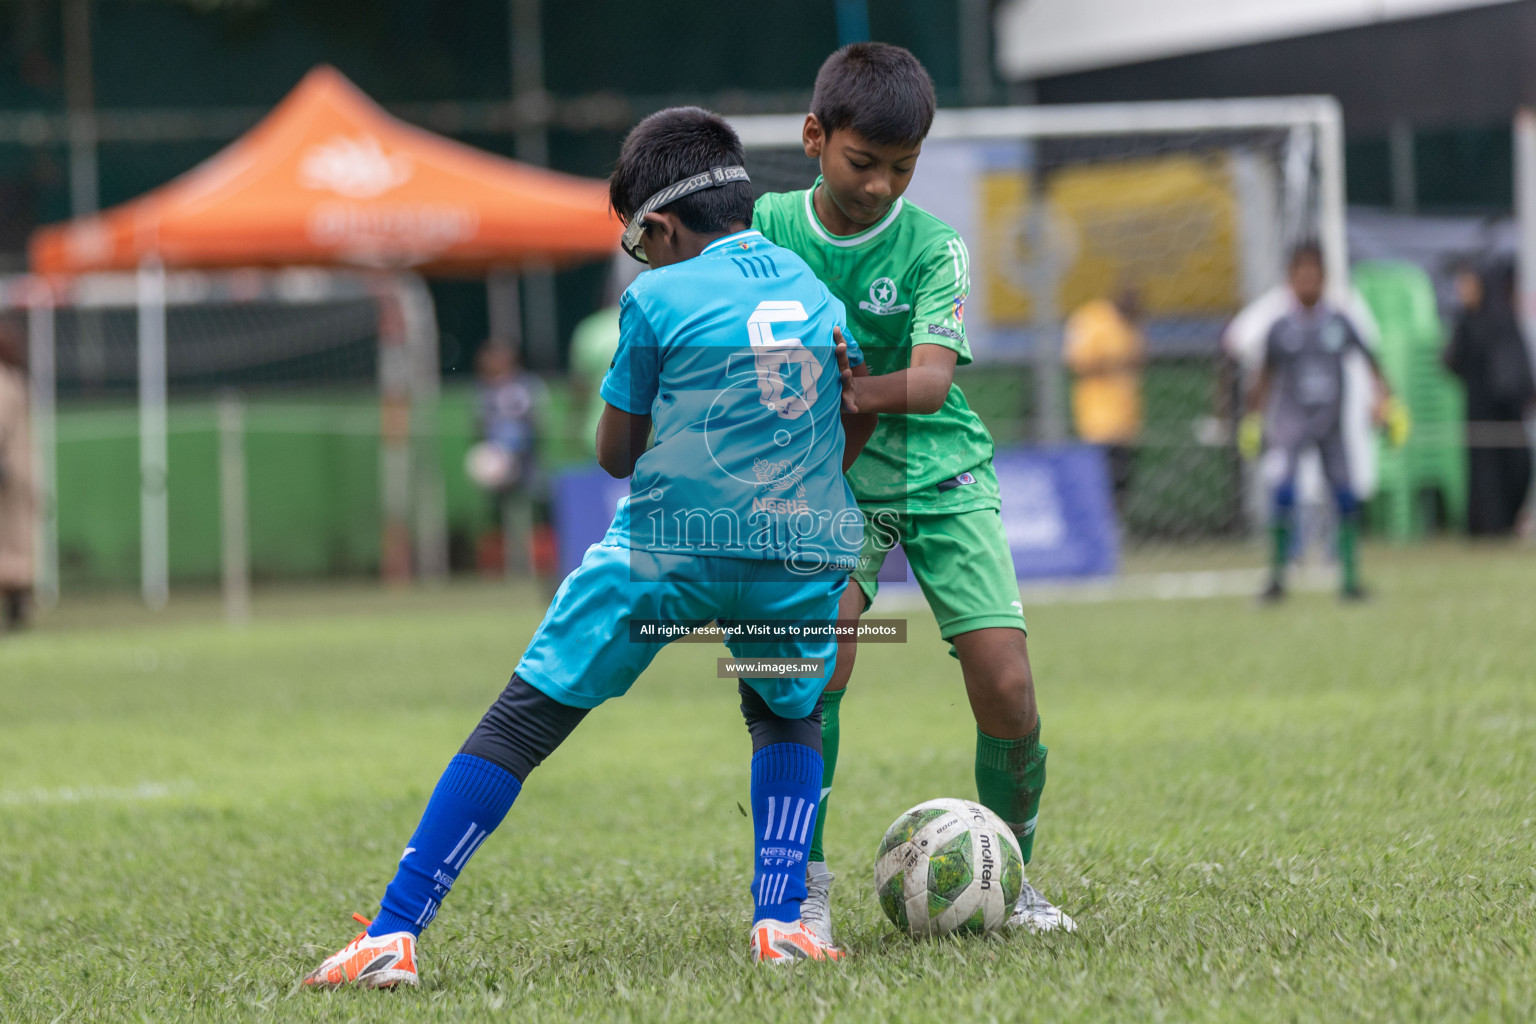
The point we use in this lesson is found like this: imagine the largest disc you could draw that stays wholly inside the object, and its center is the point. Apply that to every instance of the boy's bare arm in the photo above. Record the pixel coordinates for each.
(918, 390)
(621, 440)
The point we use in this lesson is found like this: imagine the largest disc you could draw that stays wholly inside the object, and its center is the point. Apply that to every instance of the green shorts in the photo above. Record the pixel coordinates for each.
(961, 561)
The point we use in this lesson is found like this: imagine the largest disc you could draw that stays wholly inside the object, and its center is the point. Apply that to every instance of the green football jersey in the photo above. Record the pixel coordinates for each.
(904, 281)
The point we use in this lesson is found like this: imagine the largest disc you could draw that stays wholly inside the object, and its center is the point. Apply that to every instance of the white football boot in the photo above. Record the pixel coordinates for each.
(816, 911)
(784, 942)
(1038, 914)
(382, 961)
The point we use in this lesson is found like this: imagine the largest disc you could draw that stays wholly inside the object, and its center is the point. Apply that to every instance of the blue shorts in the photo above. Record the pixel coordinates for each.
(583, 654)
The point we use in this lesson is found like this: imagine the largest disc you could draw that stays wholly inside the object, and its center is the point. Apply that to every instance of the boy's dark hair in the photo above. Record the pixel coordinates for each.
(673, 145)
(1306, 252)
(878, 90)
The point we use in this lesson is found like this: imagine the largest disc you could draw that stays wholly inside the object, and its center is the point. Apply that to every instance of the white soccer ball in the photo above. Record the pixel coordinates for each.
(948, 866)
(490, 466)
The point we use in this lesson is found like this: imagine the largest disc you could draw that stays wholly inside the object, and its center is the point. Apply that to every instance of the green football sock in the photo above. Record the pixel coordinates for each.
(1280, 533)
(831, 700)
(1010, 775)
(1349, 562)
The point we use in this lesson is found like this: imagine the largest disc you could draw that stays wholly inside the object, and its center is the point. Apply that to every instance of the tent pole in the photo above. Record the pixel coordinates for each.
(526, 54)
(79, 100)
(43, 402)
(395, 377)
(975, 51)
(541, 330)
(503, 308)
(429, 506)
(154, 532)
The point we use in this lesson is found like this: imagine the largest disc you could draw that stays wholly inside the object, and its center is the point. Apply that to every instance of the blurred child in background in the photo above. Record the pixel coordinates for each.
(508, 404)
(15, 483)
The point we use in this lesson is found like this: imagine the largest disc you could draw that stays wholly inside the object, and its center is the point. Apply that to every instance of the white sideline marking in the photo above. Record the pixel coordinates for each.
(94, 794)
(1150, 586)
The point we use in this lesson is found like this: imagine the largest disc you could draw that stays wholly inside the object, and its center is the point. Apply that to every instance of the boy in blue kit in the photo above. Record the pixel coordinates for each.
(738, 512)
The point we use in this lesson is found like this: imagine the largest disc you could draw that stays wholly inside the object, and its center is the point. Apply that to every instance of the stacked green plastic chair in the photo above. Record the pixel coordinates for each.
(1433, 462)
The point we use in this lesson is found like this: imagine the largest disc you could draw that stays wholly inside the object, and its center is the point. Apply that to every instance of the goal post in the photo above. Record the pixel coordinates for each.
(1320, 117)
(150, 361)
(1192, 205)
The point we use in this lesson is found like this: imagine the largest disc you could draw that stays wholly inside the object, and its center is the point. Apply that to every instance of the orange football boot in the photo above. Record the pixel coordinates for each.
(382, 961)
(777, 942)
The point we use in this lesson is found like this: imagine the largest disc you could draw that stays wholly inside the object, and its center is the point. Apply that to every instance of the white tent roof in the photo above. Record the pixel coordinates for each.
(1036, 38)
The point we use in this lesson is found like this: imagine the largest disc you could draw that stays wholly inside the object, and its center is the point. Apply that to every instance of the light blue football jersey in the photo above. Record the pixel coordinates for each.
(731, 354)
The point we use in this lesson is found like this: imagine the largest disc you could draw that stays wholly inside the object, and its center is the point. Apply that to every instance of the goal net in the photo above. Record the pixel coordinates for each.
(1191, 208)
(266, 423)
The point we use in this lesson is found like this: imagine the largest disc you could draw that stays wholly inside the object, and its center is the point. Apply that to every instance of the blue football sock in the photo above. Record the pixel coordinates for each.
(469, 802)
(786, 784)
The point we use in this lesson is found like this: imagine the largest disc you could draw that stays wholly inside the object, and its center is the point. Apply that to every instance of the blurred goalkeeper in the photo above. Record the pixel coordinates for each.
(1297, 402)
(749, 448)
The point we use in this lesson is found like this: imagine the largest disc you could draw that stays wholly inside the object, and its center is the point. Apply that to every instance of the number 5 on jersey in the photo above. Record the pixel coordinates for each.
(776, 359)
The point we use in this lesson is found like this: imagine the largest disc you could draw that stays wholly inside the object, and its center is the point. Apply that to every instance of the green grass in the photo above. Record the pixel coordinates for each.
(1305, 813)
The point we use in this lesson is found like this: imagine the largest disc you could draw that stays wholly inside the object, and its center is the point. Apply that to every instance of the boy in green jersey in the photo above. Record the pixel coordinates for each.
(925, 478)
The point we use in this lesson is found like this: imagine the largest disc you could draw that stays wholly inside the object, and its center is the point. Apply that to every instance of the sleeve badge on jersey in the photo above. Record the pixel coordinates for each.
(960, 309)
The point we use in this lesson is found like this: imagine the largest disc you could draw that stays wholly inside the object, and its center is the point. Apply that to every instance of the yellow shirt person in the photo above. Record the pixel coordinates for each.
(1105, 351)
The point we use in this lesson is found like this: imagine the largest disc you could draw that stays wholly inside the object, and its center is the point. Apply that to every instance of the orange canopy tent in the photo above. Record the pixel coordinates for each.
(328, 177)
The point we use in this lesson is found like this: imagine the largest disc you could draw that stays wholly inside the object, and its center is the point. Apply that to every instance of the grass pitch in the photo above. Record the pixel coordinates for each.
(1301, 813)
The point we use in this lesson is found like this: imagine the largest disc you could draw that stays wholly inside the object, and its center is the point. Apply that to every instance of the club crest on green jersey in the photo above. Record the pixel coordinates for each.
(882, 299)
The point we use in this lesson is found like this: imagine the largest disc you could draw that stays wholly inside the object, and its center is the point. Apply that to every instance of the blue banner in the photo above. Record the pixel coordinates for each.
(1058, 511)
(584, 502)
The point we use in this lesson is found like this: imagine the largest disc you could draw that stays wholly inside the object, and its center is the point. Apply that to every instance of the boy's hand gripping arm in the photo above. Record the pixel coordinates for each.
(858, 426)
(918, 390)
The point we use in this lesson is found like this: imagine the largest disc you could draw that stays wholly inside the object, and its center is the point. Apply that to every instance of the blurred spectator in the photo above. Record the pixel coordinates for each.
(509, 402)
(593, 344)
(1105, 350)
(16, 496)
(1488, 353)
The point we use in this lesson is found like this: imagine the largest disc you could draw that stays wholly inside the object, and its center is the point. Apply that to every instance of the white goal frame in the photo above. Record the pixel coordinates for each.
(1315, 125)
(1320, 115)
(411, 486)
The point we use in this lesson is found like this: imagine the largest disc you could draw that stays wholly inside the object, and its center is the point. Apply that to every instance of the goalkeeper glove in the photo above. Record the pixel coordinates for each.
(1396, 422)
(1250, 435)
